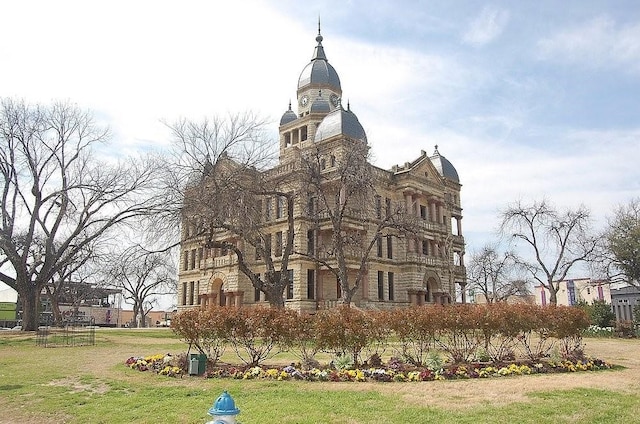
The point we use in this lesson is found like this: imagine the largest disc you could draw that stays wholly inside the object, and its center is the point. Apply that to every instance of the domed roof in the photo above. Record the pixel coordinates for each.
(444, 167)
(340, 122)
(319, 71)
(288, 116)
(320, 105)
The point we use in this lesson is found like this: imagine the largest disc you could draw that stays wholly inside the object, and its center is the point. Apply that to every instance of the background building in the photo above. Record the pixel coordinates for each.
(426, 266)
(623, 301)
(573, 291)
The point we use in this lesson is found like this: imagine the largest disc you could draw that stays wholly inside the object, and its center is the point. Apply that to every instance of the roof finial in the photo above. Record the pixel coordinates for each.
(319, 50)
(348, 105)
(289, 104)
(436, 152)
(319, 37)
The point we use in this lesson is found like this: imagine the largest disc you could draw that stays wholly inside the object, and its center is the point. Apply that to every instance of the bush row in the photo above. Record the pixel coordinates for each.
(463, 332)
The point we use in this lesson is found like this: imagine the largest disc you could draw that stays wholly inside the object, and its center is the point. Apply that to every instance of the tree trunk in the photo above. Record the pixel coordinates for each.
(553, 296)
(30, 298)
(276, 299)
(143, 319)
(134, 323)
(55, 309)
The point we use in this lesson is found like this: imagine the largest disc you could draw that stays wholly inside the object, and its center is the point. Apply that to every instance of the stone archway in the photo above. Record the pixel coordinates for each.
(217, 289)
(431, 285)
(429, 292)
(215, 295)
(219, 293)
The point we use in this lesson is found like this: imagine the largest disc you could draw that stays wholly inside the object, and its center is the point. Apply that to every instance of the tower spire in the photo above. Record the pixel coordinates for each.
(319, 50)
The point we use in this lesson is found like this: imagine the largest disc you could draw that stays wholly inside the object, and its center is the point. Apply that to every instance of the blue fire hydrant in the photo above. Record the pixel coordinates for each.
(224, 410)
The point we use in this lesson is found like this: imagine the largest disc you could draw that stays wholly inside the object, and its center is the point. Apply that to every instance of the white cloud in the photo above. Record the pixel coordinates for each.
(599, 42)
(486, 27)
(594, 168)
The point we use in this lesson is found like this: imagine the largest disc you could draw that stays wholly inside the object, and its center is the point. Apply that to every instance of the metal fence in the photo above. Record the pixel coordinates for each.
(72, 334)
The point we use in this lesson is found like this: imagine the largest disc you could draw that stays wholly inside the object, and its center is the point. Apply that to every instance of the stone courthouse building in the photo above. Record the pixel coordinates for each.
(421, 268)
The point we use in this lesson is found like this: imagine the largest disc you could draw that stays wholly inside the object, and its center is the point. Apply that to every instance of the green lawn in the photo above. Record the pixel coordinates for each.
(90, 384)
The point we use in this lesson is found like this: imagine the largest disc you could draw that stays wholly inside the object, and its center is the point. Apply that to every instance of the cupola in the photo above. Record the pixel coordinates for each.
(288, 116)
(340, 122)
(319, 71)
(444, 167)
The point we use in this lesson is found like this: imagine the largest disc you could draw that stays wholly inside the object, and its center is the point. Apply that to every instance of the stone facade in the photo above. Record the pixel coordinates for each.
(424, 267)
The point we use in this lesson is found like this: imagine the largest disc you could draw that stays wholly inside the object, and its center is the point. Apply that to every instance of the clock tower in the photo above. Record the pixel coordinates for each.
(318, 94)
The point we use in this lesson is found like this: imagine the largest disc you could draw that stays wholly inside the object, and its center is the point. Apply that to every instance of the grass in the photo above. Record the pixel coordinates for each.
(90, 384)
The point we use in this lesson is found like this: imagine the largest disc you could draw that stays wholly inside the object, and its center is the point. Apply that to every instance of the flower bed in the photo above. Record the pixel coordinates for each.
(169, 365)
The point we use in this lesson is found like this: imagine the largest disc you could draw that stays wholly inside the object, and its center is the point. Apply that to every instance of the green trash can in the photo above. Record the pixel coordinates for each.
(201, 359)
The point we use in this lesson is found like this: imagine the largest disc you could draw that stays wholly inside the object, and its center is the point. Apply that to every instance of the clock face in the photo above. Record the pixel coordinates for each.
(335, 100)
(304, 101)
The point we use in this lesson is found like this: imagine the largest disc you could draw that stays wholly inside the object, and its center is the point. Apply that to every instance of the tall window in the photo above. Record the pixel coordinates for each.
(191, 291)
(312, 205)
(256, 293)
(258, 247)
(311, 284)
(267, 245)
(380, 285)
(390, 284)
(387, 203)
(289, 284)
(278, 250)
(184, 293)
(267, 209)
(278, 207)
(379, 246)
(389, 247)
(193, 259)
(310, 242)
(425, 247)
(423, 212)
(259, 209)
(378, 207)
(185, 265)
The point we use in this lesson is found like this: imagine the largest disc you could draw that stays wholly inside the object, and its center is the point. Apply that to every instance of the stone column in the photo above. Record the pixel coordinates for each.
(238, 298)
(407, 201)
(432, 211)
(213, 299)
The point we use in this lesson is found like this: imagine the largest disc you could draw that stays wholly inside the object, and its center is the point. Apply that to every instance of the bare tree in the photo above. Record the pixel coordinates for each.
(492, 273)
(556, 240)
(142, 277)
(56, 198)
(621, 253)
(218, 178)
(71, 282)
(342, 196)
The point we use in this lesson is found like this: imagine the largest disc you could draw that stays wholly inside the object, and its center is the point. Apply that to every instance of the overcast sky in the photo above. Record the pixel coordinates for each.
(528, 99)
